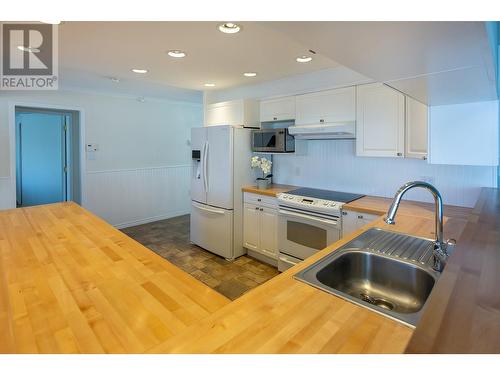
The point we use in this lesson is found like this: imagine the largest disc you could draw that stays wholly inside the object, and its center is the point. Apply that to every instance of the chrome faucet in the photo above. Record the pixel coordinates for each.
(440, 253)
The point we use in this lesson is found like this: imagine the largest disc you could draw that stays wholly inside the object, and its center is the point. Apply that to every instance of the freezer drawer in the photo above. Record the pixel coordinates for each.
(212, 229)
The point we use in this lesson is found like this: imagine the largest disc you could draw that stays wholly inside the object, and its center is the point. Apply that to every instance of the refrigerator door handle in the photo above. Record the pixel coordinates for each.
(211, 210)
(205, 166)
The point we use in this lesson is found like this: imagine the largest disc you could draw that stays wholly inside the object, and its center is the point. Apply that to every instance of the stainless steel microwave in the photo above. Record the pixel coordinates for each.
(272, 140)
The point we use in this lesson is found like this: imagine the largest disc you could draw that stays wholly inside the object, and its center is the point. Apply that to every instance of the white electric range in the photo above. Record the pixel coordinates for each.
(309, 221)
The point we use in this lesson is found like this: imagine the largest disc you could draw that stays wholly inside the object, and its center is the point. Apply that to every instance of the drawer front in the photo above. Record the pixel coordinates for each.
(259, 199)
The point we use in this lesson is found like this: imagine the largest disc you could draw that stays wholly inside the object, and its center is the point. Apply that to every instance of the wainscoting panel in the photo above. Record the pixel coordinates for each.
(332, 164)
(5, 193)
(135, 196)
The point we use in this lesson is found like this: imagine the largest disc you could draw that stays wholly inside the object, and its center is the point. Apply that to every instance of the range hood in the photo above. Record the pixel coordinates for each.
(333, 130)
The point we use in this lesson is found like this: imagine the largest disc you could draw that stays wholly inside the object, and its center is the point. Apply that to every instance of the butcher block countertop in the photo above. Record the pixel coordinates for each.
(272, 191)
(287, 316)
(71, 283)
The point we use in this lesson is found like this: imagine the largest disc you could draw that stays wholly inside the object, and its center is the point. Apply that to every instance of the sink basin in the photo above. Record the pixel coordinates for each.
(387, 272)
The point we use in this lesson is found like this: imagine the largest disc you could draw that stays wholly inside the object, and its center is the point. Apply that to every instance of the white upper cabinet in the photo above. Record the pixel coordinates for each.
(337, 105)
(243, 112)
(277, 109)
(380, 121)
(464, 134)
(416, 129)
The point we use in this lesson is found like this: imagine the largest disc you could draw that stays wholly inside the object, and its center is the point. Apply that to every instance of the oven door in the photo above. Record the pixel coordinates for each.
(268, 140)
(302, 234)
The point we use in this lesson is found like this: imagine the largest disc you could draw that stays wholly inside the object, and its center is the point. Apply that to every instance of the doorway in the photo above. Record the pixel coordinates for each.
(47, 156)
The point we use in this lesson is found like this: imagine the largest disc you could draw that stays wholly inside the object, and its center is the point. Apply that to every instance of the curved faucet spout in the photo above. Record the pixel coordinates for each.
(440, 253)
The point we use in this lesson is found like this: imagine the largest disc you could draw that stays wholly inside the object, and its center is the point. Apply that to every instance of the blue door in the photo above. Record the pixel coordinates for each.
(41, 151)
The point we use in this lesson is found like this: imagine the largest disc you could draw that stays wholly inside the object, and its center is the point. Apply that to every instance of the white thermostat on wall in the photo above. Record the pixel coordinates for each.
(92, 147)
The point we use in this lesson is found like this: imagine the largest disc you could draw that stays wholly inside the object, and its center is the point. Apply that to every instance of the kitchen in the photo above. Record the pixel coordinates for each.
(314, 203)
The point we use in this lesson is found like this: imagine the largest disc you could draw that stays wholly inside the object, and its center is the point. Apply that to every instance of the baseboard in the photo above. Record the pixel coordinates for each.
(150, 219)
(262, 258)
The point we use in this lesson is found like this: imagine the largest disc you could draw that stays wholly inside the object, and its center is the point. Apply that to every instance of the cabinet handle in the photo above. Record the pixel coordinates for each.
(399, 154)
(321, 120)
(275, 118)
(256, 208)
(424, 157)
(344, 213)
(360, 216)
(262, 209)
(258, 199)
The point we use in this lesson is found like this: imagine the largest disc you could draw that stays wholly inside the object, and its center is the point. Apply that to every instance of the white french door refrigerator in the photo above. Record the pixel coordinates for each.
(220, 167)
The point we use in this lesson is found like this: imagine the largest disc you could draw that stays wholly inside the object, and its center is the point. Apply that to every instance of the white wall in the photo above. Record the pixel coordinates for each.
(141, 171)
(332, 164)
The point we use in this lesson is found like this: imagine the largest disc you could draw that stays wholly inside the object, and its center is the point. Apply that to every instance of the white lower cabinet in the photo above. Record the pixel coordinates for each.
(353, 220)
(260, 229)
(251, 226)
(269, 231)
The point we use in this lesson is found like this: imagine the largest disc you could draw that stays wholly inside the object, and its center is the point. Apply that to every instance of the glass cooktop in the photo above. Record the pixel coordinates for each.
(336, 196)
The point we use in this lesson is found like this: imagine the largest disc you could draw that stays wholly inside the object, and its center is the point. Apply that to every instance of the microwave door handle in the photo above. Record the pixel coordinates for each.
(307, 217)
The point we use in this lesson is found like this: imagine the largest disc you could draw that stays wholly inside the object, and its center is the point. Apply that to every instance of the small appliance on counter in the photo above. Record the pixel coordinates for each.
(273, 140)
(308, 221)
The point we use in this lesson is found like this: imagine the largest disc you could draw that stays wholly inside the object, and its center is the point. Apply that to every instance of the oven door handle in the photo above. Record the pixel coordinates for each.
(307, 217)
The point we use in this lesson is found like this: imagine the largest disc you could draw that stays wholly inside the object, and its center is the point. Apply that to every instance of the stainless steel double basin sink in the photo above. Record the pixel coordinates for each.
(387, 272)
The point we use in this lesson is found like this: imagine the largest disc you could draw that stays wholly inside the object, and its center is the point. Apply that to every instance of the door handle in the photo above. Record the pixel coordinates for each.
(205, 166)
(307, 217)
(211, 210)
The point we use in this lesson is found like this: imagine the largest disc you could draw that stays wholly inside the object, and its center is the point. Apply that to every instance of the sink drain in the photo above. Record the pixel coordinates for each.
(380, 302)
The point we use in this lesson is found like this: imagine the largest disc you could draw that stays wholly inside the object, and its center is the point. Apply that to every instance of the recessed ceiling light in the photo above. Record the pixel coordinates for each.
(229, 28)
(114, 79)
(176, 53)
(250, 74)
(28, 49)
(209, 85)
(51, 22)
(140, 71)
(141, 99)
(304, 59)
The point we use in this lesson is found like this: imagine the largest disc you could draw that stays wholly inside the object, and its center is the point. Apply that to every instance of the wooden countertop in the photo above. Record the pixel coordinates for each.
(463, 314)
(272, 191)
(380, 205)
(287, 316)
(71, 283)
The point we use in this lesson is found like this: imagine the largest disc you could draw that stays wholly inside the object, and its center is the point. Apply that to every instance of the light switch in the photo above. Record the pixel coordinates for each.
(92, 147)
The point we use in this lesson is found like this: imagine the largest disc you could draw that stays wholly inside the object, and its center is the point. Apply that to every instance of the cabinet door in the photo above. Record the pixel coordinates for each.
(269, 231)
(416, 129)
(380, 121)
(224, 113)
(364, 218)
(349, 222)
(326, 106)
(277, 109)
(251, 226)
(353, 220)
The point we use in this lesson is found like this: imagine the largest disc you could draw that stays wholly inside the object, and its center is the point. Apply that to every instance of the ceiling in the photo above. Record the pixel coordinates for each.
(434, 62)
(91, 52)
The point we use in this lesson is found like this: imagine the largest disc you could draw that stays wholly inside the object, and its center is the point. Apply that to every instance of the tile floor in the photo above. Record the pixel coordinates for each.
(170, 239)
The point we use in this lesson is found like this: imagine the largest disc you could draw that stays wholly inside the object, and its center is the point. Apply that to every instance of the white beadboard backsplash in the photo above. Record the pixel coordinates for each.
(135, 196)
(333, 164)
